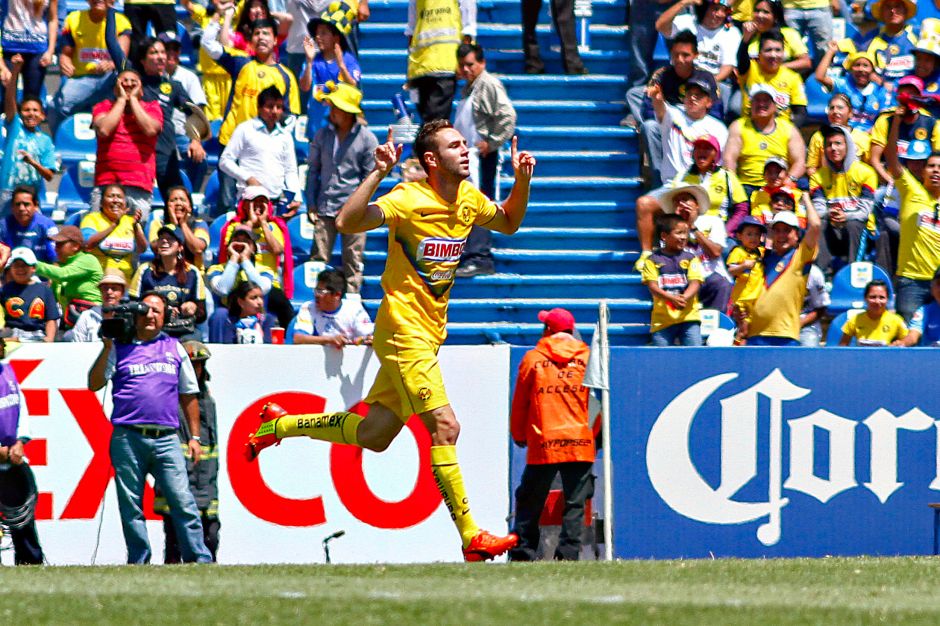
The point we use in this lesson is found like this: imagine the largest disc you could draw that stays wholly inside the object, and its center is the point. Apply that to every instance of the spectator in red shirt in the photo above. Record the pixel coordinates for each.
(127, 129)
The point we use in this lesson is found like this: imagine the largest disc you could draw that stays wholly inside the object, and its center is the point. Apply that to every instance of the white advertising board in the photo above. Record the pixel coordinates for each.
(280, 508)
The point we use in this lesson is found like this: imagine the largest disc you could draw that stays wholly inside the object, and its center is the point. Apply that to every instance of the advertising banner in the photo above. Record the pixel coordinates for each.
(774, 452)
(280, 508)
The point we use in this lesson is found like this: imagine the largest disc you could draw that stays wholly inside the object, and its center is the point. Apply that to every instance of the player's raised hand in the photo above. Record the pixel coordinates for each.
(387, 155)
(523, 163)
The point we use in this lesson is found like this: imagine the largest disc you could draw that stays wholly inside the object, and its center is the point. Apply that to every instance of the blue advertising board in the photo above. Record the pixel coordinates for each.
(773, 452)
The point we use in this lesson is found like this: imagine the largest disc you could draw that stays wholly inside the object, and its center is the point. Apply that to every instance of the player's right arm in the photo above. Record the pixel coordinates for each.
(358, 214)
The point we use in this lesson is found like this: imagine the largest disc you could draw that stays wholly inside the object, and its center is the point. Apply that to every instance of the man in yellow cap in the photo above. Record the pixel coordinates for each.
(341, 156)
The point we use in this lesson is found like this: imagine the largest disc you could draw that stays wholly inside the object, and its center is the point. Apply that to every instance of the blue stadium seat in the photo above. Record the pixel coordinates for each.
(834, 334)
(75, 139)
(848, 286)
(305, 281)
(211, 194)
(212, 146)
(76, 218)
(300, 231)
(215, 230)
(188, 55)
(301, 143)
(69, 200)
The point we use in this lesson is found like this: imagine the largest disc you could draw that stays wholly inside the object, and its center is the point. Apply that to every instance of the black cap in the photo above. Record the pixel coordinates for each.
(174, 231)
(704, 81)
(170, 38)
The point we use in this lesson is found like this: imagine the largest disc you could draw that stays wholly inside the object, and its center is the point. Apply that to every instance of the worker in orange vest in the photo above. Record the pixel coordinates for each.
(550, 418)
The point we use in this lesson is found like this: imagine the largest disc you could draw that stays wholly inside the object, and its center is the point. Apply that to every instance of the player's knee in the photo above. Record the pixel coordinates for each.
(376, 442)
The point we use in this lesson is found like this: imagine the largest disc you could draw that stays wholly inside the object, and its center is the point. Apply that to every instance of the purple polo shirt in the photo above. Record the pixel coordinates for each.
(148, 379)
(9, 405)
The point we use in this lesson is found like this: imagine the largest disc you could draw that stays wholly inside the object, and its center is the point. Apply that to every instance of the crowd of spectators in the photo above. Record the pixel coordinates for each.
(753, 207)
(725, 132)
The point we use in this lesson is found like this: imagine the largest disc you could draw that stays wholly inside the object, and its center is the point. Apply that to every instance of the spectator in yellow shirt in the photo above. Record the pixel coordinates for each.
(876, 326)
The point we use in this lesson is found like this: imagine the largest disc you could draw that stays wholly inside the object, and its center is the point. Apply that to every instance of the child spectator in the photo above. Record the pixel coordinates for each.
(673, 275)
(179, 282)
(26, 227)
(113, 235)
(28, 304)
(744, 264)
(28, 153)
(328, 59)
(866, 97)
(245, 321)
(839, 112)
(331, 319)
(876, 326)
(75, 276)
(925, 325)
(777, 194)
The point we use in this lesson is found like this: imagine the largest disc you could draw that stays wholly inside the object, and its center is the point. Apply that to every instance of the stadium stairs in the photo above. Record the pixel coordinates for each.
(577, 243)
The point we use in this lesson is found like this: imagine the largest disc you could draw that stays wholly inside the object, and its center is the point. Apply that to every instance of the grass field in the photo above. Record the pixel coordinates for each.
(800, 591)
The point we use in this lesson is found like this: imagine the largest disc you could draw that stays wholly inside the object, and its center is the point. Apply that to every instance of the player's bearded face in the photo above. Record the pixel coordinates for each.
(453, 155)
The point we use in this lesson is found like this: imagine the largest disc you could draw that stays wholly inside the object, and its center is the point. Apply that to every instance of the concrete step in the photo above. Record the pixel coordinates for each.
(538, 239)
(598, 87)
(501, 61)
(499, 11)
(494, 35)
(562, 163)
(529, 334)
(544, 287)
(533, 262)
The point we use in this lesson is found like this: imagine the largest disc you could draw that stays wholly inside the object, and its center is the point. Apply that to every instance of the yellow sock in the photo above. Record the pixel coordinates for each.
(450, 484)
(337, 427)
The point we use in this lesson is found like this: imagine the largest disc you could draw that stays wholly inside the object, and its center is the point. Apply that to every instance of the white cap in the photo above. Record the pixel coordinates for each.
(786, 217)
(25, 255)
(764, 88)
(255, 191)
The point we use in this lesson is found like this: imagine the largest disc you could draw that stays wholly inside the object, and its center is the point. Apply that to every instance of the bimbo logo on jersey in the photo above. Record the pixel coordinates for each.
(440, 249)
(676, 476)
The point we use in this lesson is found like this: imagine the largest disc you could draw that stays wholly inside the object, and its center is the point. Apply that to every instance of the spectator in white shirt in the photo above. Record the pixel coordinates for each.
(331, 319)
(261, 152)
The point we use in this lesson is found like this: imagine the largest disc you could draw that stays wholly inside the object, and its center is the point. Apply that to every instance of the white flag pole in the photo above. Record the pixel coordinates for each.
(602, 315)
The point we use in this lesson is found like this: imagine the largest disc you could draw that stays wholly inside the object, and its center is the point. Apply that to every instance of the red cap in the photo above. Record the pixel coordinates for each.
(557, 320)
(708, 140)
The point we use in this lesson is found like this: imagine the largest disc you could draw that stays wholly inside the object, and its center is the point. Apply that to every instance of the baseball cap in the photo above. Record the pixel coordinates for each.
(776, 161)
(170, 38)
(763, 88)
(704, 81)
(708, 140)
(255, 191)
(242, 229)
(750, 220)
(113, 276)
(786, 217)
(786, 193)
(68, 233)
(174, 231)
(25, 255)
(557, 320)
(913, 81)
(918, 150)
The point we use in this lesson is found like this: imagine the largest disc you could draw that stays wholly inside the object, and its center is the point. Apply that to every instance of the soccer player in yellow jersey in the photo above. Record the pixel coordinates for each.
(428, 223)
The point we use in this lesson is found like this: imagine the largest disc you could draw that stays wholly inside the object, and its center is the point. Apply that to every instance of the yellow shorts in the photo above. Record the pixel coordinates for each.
(409, 379)
(217, 89)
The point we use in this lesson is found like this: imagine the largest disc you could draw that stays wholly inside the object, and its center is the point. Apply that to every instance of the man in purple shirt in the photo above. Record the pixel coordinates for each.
(151, 376)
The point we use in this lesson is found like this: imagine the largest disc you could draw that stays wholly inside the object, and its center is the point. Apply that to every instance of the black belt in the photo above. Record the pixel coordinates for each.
(152, 432)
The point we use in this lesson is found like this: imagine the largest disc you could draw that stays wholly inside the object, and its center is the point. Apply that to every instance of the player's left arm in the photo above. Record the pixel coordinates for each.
(509, 216)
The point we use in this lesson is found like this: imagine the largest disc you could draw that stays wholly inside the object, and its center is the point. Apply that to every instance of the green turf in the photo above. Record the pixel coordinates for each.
(801, 591)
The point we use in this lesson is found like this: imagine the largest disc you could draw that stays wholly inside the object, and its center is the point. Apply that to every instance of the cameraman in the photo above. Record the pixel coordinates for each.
(151, 375)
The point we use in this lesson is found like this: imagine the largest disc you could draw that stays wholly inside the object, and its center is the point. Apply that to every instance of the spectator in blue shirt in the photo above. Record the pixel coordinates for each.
(867, 97)
(328, 59)
(28, 153)
(29, 306)
(26, 227)
(925, 325)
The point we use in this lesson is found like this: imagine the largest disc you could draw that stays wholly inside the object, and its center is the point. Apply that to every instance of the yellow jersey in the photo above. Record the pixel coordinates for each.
(919, 245)
(742, 10)
(672, 273)
(880, 332)
(756, 146)
(789, 86)
(87, 39)
(249, 78)
(749, 283)
(117, 249)
(922, 128)
(426, 236)
(776, 312)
